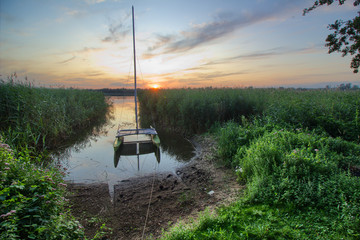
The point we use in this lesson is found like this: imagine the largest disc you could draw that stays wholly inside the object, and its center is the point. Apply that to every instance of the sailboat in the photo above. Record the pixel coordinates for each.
(140, 140)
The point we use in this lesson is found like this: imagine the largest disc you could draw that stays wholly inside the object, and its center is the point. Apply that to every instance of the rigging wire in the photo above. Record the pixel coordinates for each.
(141, 74)
(142, 79)
(151, 193)
(124, 124)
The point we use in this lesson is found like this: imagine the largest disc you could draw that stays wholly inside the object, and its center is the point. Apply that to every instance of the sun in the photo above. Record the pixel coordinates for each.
(155, 86)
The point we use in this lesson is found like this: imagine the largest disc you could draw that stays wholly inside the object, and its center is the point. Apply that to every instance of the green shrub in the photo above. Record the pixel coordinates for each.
(233, 136)
(333, 112)
(299, 168)
(35, 121)
(32, 205)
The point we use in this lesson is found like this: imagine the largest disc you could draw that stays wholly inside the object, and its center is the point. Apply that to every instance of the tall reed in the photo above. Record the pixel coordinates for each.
(42, 117)
(194, 111)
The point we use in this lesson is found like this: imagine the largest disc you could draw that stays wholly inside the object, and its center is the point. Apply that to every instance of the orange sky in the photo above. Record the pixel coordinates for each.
(88, 43)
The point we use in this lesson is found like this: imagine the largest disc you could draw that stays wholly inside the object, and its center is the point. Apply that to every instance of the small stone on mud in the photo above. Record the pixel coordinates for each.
(211, 192)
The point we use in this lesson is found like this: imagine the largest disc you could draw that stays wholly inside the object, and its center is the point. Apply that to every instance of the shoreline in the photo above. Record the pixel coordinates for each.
(181, 195)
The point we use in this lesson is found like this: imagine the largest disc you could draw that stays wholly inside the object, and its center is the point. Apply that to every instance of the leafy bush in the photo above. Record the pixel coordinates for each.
(231, 136)
(32, 205)
(299, 186)
(300, 169)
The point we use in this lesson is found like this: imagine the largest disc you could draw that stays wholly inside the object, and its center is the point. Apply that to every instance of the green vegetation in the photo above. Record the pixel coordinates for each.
(44, 118)
(300, 185)
(116, 91)
(197, 110)
(297, 152)
(34, 123)
(32, 199)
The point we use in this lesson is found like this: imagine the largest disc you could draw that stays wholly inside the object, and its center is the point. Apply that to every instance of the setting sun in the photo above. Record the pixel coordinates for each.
(155, 86)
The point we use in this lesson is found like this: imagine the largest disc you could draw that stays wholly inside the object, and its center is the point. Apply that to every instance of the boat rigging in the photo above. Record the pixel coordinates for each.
(136, 141)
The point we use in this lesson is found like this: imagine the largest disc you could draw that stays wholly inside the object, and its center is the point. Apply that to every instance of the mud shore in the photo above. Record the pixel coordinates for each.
(174, 196)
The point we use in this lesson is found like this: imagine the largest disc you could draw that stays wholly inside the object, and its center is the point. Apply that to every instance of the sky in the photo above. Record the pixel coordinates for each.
(179, 43)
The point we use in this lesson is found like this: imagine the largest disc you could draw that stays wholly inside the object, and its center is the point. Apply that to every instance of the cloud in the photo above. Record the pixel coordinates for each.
(76, 54)
(266, 54)
(116, 32)
(67, 60)
(89, 50)
(222, 25)
(72, 12)
(121, 84)
(94, 1)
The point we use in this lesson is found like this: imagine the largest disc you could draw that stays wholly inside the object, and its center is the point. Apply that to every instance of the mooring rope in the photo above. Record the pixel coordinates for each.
(148, 208)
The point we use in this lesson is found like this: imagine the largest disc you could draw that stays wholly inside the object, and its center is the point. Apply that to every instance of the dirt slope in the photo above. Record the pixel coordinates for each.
(174, 196)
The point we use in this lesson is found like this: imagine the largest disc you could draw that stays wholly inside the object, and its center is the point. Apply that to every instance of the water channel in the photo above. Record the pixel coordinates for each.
(93, 162)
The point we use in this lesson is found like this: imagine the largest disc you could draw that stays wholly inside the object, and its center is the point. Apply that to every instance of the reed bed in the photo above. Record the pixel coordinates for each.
(46, 118)
(193, 111)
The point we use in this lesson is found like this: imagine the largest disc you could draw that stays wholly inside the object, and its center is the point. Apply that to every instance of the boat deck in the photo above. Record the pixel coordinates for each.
(142, 131)
(139, 138)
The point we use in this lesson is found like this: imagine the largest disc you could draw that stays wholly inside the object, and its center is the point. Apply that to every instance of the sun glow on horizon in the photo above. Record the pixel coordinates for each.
(155, 86)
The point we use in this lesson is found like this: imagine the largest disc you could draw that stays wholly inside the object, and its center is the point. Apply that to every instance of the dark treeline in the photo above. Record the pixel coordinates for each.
(130, 92)
(115, 91)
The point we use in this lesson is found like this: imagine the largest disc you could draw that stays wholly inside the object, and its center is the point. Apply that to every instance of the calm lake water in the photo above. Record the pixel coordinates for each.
(93, 160)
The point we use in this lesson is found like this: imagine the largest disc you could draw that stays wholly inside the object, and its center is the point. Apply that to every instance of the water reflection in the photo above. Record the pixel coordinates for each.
(92, 160)
(84, 138)
(136, 149)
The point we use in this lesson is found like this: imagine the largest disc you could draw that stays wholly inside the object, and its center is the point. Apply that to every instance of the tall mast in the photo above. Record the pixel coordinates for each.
(136, 115)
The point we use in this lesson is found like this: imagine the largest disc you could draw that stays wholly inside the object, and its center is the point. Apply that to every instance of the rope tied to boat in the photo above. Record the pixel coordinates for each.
(148, 208)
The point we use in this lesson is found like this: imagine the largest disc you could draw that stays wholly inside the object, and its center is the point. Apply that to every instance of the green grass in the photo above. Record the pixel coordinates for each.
(34, 123)
(295, 150)
(299, 186)
(260, 221)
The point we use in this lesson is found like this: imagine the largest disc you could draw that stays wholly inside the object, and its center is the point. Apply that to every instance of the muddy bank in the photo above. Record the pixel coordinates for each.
(172, 196)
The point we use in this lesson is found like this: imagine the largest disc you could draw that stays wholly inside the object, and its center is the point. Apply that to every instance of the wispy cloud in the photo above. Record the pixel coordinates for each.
(75, 54)
(222, 24)
(117, 31)
(88, 50)
(67, 60)
(265, 54)
(94, 1)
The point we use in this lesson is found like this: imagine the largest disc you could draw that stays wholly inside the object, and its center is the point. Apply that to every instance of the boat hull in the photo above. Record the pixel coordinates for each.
(117, 143)
(136, 148)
